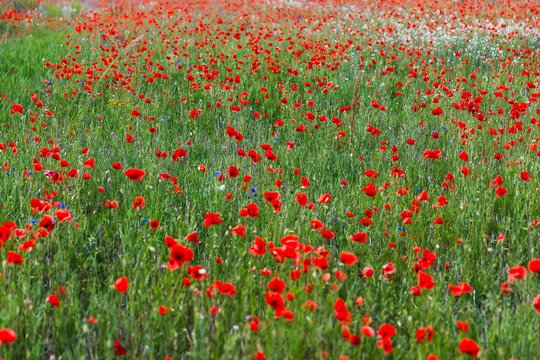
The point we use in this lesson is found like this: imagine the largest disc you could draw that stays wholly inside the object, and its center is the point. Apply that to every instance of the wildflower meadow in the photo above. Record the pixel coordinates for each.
(270, 179)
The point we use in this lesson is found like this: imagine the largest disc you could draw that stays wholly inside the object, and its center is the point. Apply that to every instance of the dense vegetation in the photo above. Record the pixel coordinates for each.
(289, 180)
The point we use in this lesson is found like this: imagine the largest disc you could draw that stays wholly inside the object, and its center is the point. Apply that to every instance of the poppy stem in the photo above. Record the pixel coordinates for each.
(354, 106)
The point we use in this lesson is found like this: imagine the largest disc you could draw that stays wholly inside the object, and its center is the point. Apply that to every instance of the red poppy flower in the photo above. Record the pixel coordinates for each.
(47, 223)
(462, 326)
(135, 174)
(536, 303)
(360, 237)
(119, 349)
(388, 269)
(387, 330)
(138, 203)
(252, 210)
(328, 234)
(63, 215)
(135, 113)
(121, 285)
(506, 289)
(27, 245)
(311, 305)
(316, 224)
(432, 154)
(197, 272)
(16, 108)
(53, 300)
(534, 265)
(179, 255)
(226, 288)
(212, 219)
(460, 289)
(276, 285)
(178, 154)
(525, 176)
(348, 258)
(14, 258)
(271, 196)
(371, 174)
(340, 311)
(438, 221)
(500, 191)
(305, 182)
(425, 281)
(367, 331)
(193, 114)
(258, 248)
(469, 347)
(438, 111)
(324, 199)
(239, 230)
(7, 336)
(89, 163)
(154, 224)
(193, 237)
(516, 272)
(425, 334)
(301, 199)
(368, 272)
(370, 189)
(214, 310)
(275, 300)
(232, 171)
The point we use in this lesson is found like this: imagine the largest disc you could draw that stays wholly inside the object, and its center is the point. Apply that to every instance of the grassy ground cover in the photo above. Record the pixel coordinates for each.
(250, 179)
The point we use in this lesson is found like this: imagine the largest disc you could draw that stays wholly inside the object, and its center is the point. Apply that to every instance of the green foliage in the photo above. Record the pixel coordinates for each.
(107, 242)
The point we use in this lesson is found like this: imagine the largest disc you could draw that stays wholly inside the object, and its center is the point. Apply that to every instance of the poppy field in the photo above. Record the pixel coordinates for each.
(256, 179)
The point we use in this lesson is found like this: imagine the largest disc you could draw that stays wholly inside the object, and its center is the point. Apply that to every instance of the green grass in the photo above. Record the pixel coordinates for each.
(87, 255)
